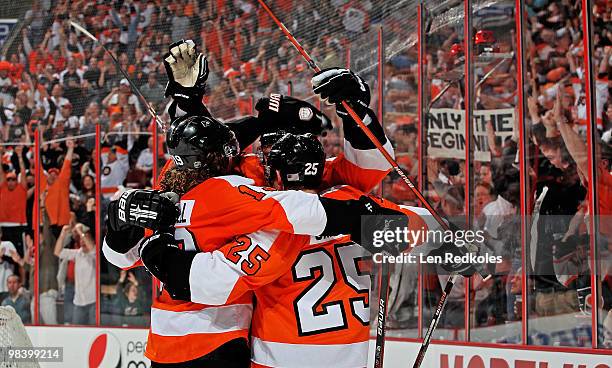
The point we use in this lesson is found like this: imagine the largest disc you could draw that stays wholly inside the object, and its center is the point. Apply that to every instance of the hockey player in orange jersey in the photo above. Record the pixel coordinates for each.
(312, 297)
(212, 212)
(360, 163)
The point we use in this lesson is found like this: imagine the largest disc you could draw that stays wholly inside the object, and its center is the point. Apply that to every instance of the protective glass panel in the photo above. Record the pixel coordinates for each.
(558, 249)
(400, 121)
(67, 248)
(126, 161)
(17, 247)
(445, 155)
(495, 199)
(602, 68)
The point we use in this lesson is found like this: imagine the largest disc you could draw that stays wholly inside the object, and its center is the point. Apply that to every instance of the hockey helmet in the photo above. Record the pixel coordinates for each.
(192, 140)
(299, 159)
(285, 114)
(484, 37)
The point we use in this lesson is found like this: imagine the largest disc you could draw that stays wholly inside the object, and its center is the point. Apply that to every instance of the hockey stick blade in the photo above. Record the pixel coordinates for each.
(81, 29)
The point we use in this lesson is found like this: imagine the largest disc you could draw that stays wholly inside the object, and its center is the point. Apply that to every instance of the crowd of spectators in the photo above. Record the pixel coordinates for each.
(61, 84)
(57, 82)
(559, 281)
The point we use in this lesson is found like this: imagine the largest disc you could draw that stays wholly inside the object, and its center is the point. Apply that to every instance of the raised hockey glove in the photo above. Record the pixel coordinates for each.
(283, 114)
(162, 257)
(187, 71)
(338, 84)
(149, 209)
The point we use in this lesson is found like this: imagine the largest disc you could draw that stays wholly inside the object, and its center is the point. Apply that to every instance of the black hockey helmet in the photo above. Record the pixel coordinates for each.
(299, 159)
(191, 141)
(285, 114)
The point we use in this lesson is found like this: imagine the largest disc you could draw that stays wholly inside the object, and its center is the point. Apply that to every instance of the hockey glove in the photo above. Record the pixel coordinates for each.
(289, 115)
(339, 84)
(124, 239)
(366, 221)
(455, 256)
(187, 71)
(163, 259)
(144, 208)
(376, 222)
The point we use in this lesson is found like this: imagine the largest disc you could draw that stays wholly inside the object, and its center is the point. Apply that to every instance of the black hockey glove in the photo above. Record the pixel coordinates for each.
(163, 259)
(187, 71)
(458, 257)
(150, 209)
(366, 220)
(124, 239)
(285, 114)
(339, 84)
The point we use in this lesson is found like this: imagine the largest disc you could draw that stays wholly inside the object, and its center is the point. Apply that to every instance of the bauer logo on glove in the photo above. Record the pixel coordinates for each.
(144, 208)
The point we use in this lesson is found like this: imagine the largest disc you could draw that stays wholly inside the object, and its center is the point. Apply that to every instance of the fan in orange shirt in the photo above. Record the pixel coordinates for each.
(13, 196)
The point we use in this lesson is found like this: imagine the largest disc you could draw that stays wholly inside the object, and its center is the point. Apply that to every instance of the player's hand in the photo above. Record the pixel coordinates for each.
(187, 71)
(291, 115)
(151, 252)
(376, 220)
(169, 264)
(149, 209)
(464, 269)
(338, 84)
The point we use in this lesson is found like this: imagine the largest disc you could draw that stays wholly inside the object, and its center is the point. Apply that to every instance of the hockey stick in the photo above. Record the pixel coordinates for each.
(150, 108)
(383, 301)
(435, 319)
(311, 63)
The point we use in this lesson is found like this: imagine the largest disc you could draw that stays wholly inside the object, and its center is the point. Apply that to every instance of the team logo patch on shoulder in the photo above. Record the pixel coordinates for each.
(305, 113)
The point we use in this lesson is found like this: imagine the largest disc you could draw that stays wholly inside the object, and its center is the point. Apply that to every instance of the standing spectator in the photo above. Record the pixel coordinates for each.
(180, 24)
(17, 298)
(8, 259)
(121, 98)
(153, 91)
(53, 103)
(84, 258)
(145, 158)
(71, 78)
(128, 302)
(13, 196)
(57, 190)
(66, 122)
(115, 166)
(7, 89)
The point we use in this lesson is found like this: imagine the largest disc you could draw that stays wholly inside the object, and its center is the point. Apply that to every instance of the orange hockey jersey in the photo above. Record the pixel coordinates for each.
(312, 294)
(215, 212)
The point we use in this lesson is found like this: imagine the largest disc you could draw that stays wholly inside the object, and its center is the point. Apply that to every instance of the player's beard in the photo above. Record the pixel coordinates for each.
(182, 181)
